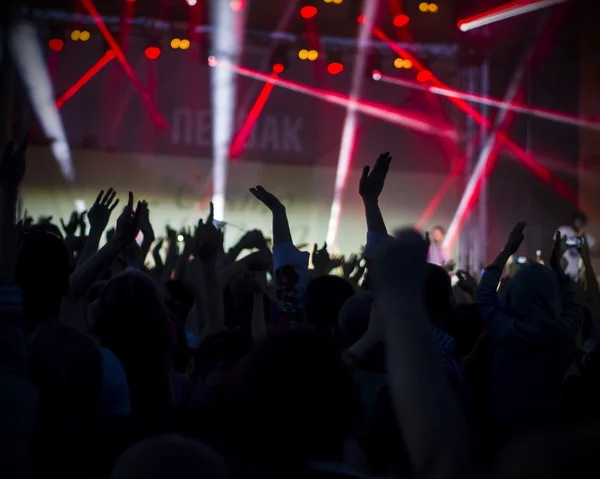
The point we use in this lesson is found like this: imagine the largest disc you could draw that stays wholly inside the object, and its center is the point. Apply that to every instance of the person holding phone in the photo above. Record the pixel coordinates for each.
(573, 235)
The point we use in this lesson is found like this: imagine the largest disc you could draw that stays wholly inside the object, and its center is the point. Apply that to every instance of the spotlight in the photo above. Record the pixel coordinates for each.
(278, 67)
(308, 11)
(424, 76)
(399, 63)
(313, 55)
(212, 61)
(56, 44)
(424, 7)
(433, 8)
(278, 61)
(376, 75)
(75, 35)
(152, 53)
(184, 44)
(400, 20)
(84, 36)
(175, 43)
(237, 5)
(407, 64)
(337, 2)
(335, 68)
(191, 3)
(303, 54)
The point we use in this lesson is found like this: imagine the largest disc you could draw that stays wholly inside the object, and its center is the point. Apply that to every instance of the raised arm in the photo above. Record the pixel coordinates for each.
(428, 413)
(370, 187)
(127, 230)
(498, 320)
(98, 216)
(290, 265)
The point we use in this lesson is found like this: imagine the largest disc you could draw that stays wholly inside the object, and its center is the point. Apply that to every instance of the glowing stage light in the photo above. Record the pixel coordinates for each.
(212, 61)
(433, 8)
(335, 68)
(376, 75)
(308, 11)
(184, 44)
(400, 20)
(237, 5)
(75, 35)
(312, 55)
(84, 36)
(129, 1)
(424, 7)
(508, 10)
(303, 54)
(407, 64)
(399, 63)
(175, 43)
(337, 2)
(152, 53)
(191, 3)
(278, 68)
(56, 44)
(424, 76)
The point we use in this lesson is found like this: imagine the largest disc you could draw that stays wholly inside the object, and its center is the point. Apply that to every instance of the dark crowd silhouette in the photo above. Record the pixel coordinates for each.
(264, 361)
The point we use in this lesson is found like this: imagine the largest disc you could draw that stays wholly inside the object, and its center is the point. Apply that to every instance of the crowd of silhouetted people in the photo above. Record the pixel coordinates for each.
(128, 356)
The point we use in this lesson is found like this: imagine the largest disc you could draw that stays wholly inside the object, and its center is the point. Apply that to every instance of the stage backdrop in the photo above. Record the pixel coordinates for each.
(178, 191)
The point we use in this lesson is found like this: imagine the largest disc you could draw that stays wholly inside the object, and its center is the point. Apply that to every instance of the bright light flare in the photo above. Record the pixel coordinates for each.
(400, 20)
(375, 110)
(29, 61)
(504, 12)
(349, 129)
(227, 40)
(335, 68)
(191, 3)
(308, 11)
(237, 5)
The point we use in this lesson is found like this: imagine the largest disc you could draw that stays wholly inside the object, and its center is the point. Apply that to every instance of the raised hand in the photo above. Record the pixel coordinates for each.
(321, 259)
(267, 198)
(372, 180)
(253, 239)
(128, 223)
(515, 238)
(558, 250)
(70, 228)
(350, 265)
(211, 238)
(99, 214)
(12, 167)
(145, 224)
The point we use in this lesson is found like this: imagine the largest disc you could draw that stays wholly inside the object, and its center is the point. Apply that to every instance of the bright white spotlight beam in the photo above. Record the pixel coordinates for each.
(227, 43)
(28, 58)
(509, 10)
(349, 129)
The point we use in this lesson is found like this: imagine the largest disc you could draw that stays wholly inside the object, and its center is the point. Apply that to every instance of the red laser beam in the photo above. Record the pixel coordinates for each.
(542, 113)
(156, 116)
(238, 143)
(383, 112)
(525, 158)
(87, 76)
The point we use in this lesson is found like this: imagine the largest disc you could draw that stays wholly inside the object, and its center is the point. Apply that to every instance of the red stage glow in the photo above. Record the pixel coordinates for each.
(237, 5)
(191, 3)
(308, 11)
(335, 68)
(424, 76)
(278, 67)
(376, 75)
(152, 53)
(400, 20)
(56, 44)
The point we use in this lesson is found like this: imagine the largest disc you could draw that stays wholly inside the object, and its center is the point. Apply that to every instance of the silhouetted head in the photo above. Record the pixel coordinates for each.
(131, 320)
(42, 270)
(323, 300)
(173, 457)
(295, 401)
(439, 297)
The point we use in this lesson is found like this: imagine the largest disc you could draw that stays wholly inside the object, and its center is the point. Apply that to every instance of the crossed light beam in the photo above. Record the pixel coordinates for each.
(114, 52)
